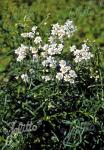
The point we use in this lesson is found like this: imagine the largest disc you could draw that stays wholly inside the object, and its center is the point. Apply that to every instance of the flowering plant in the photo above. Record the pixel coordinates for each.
(50, 55)
(56, 87)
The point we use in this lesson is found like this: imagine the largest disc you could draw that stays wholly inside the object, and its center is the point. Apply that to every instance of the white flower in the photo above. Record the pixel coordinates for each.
(61, 32)
(60, 47)
(24, 77)
(29, 35)
(77, 52)
(58, 30)
(45, 63)
(72, 81)
(77, 59)
(34, 28)
(68, 68)
(44, 54)
(45, 47)
(85, 47)
(38, 40)
(35, 57)
(46, 78)
(62, 63)
(50, 61)
(69, 28)
(72, 74)
(52, 49)
(51, 39)
(55, 48)
(72, 48)
(83, 54)
(20, 58)
(33, 50)
(24, 35)
(17, 77)
(65, 69)
(59, 76)
(86, 55)
(67, 78)
(21, 52)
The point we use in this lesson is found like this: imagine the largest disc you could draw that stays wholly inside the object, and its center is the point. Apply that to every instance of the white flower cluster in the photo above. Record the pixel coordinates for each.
(83, 54)
(49, 53)
(53, 49)
(66, 73)
(30, 34)
(49, 62)
(69, 28)
(34, 52)
(46, 78)
(58, 30)
(24, 77)
(21, 52)
(63, 30)
(38, 40)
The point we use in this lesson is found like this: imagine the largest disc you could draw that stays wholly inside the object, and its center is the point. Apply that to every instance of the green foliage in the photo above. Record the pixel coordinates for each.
(67, 117)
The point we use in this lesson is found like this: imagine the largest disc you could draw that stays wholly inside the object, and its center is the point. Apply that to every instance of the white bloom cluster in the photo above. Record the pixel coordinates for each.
(50, 61)
(34, 28)
(24, 77)
(38, 40)
(69, 28)
(63, 30)
(46, 78)
(59, 76)
(58, 30)
(51, 39)
(21, 52)
(66, 73)
(52, 49)
(49, 53)
(33, 50)
(29, 34)
(83, 54)
(55, 49)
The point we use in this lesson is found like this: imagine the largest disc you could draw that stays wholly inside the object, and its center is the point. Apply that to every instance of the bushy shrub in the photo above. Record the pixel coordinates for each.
(56, 85)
